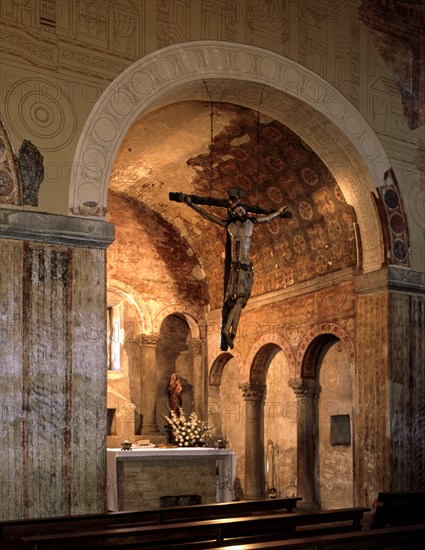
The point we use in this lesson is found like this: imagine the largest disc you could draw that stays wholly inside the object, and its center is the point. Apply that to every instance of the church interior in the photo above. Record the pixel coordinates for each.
(110, 285)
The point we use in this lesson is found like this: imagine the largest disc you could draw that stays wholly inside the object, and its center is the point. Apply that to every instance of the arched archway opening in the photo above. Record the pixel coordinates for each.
(280, 430)
(270, 448)
(325, 424)
(334, 132)
(226, 412)
(322, 117)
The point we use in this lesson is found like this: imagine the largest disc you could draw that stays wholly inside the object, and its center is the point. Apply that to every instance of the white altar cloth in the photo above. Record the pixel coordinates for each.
(226, 466)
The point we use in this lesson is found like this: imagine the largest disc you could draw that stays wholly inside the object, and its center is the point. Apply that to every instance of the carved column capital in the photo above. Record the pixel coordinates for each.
(203, 328)
(303, 387)
(196, 345)
(146, 340)
(148, 368)
(253, 392)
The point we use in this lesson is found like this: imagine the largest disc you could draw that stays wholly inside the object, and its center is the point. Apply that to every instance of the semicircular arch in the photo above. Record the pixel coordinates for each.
(310, 105)
(261, 354)
(128, 294)
(218, 364)
(313, 343)
(191, 316)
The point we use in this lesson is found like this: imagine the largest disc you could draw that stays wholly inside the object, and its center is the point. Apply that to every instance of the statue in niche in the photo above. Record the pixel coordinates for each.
(31, 167)
(174, 391)
(238, 270)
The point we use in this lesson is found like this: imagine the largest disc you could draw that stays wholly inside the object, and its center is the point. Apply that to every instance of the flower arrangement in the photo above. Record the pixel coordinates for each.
(188, 432)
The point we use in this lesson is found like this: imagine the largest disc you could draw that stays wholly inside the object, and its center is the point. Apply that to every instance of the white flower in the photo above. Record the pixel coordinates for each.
(191, 432)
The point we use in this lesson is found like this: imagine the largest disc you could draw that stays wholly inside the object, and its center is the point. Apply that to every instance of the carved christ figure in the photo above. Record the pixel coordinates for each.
(238, 273)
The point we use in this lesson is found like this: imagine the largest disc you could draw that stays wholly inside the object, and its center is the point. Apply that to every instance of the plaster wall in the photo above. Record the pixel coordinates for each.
(233, 417)
(335, 460)
(53, 389)
(280, 423)
(406, 388)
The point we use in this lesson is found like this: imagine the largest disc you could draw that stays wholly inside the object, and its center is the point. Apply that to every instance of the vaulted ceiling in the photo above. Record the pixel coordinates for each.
(205, 148)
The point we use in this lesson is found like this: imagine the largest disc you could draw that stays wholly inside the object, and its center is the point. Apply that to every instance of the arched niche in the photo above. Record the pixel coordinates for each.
(247, 75)
(219, 391)
(272, 366)
(190, 316)
(174, 355)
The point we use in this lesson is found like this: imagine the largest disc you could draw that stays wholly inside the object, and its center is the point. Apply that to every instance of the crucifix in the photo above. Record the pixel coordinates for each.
(238, 269)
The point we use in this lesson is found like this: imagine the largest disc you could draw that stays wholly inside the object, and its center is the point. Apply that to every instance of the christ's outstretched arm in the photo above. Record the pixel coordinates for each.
(207, 215)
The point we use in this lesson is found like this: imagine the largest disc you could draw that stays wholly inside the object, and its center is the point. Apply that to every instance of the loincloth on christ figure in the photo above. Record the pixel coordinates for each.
(240, 282)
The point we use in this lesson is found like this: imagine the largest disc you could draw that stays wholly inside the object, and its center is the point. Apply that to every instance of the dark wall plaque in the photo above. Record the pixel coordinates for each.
(340, 429)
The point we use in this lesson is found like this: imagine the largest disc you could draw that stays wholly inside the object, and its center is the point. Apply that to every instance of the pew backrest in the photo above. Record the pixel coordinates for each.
(14, 529)
(397, 508)
(407, 536)
(238, 530)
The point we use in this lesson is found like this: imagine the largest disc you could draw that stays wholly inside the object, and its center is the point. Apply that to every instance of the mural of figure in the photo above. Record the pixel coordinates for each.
(174, 390)
(238, 270)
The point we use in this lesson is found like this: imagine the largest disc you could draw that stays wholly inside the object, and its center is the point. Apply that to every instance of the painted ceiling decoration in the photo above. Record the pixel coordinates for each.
(169, 150)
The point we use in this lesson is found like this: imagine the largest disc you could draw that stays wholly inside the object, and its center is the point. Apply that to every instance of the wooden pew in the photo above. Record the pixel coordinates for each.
(206, 534)
(11, 531)
(406, 536)
(398, 508)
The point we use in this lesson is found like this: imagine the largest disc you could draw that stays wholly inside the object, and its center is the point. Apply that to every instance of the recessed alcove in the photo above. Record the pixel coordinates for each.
(111, 428)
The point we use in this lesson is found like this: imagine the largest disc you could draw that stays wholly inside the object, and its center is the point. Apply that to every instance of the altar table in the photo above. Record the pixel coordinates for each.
(137, 479)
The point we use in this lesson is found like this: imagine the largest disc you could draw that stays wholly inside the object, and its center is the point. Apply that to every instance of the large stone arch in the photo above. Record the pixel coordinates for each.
(249, 76)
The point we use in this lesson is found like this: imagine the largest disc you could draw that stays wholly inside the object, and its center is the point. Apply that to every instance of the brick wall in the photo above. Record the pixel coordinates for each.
(142, 487)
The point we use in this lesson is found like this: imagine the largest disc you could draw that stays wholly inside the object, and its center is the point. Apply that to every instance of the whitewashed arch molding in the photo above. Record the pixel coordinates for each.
(141, 308)
(312, 108)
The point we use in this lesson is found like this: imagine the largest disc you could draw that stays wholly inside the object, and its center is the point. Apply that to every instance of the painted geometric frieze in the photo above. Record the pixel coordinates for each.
(395, 220)
(96, 38)
(41, 110)
(398, 34)
(275, 167)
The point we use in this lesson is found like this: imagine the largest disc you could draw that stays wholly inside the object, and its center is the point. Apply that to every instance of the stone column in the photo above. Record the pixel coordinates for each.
(53, 367)
(199, 395)
(148, 346)
(254, 444)
(305, 390)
